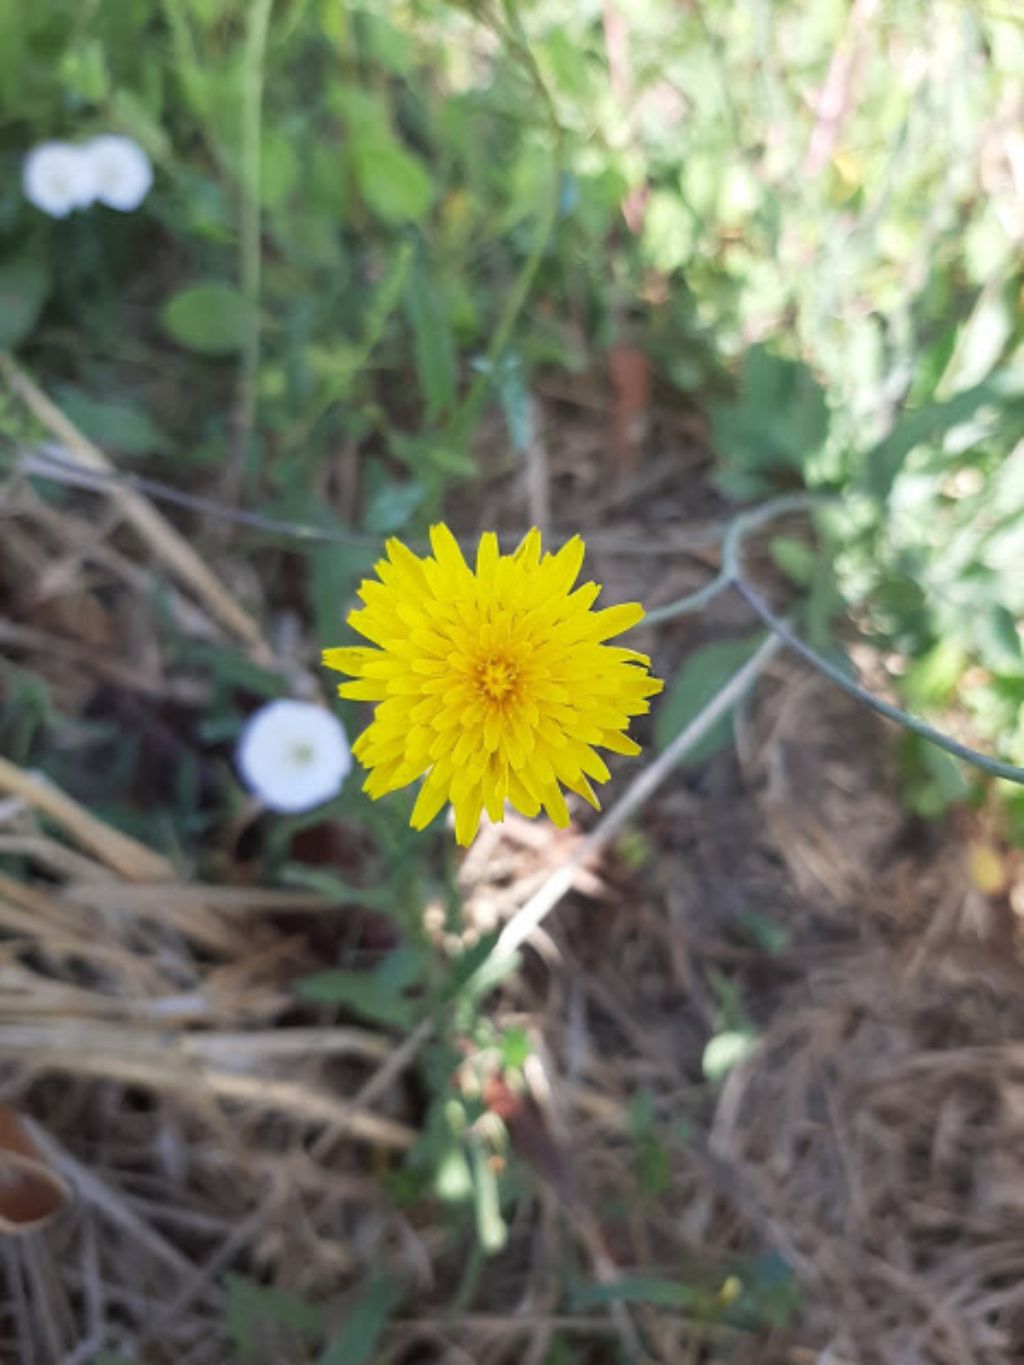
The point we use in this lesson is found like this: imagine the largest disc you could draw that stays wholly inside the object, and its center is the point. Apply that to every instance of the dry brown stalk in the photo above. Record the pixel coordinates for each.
(158, 534)
(120, 852)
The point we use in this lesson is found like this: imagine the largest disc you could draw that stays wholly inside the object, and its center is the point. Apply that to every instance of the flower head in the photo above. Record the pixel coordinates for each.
(492, 684)
(294, 755)
(121, 170)
(58, 177)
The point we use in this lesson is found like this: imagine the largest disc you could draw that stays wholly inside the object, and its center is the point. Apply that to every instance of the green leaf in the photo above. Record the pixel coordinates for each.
(432, 338)
(24, 285)
(359, 1339)
(515, 1048)
(702, 676)
(932, 678)
(650, 1289)
(392, 505)
(394, 182)
(766, 932)
(380, 994)
(883, 462)
(335, 573)
(388, 46)
(231, 668)
(777, 424)
(933, 779)
(212, 318)
(669, 232)
(995, 634)
(769, 1294)
(280, 169)
(797, 560)
(474, 972)
(120, 424)
(335, 888)
(252, 1307)
(421, 454)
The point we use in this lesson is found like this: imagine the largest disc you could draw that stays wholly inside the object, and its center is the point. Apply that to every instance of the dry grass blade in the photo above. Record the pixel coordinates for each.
(178, 1064)
(157, 533)
(120, 852)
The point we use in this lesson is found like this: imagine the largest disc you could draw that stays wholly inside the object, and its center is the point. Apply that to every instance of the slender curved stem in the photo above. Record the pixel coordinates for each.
(756, 602)
(731, 576)
(732, 550)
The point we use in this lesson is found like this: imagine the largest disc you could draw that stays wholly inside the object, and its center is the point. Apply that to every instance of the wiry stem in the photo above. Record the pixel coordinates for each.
(469, 410)
(731, 576)
(249, 244)
(793, 642)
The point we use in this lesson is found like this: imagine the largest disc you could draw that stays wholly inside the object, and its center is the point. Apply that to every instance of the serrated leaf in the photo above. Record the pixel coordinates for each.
(702, 676)
(211, 318)
(24, 286)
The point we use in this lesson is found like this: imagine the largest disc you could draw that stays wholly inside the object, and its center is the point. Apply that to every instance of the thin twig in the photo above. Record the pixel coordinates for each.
(46, 463)
(166, 543)
(1008, 771)
(126, 855)
(20, 636)
(730, 576)
(732, 549)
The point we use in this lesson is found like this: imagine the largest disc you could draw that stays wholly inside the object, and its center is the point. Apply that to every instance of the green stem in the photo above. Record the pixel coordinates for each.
(756, 602)
(250, 253)
(732, 549)
(469, 410)
(730, 576)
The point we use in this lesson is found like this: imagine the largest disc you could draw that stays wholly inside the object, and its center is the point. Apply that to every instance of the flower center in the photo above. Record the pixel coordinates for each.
(302, 754)
(496, 677)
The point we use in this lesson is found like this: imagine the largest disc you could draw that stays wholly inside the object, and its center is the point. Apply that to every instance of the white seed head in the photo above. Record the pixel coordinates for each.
(58, 177)
(293, 755)
(121, 171)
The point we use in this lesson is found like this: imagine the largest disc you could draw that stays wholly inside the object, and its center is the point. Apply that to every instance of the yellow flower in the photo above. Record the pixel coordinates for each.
(494, 684)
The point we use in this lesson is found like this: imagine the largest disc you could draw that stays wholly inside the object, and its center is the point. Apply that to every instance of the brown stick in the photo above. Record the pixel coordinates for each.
(160, 535)
(124, 854)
